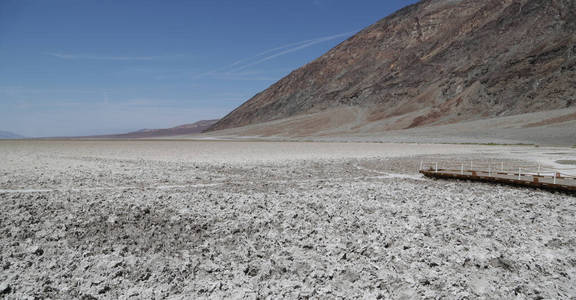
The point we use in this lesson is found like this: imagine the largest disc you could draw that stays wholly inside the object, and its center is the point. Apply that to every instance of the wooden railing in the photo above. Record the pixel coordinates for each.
(502, 172)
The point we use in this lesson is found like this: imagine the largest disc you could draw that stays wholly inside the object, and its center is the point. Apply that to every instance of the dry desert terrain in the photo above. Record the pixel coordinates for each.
(248, 220)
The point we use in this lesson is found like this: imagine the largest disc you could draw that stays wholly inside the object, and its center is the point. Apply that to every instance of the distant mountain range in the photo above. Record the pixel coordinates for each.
(434, 63)
(9, 135)
(185, 129)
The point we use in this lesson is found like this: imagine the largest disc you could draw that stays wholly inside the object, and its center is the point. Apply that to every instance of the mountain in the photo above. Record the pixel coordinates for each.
(193, 128)
(9, 135)
(437, 62)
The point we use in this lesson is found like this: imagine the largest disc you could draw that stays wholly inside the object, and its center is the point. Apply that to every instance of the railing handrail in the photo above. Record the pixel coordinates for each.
(495, 167)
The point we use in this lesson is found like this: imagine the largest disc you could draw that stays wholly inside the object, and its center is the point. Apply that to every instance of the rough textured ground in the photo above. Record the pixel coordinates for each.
(158, 220)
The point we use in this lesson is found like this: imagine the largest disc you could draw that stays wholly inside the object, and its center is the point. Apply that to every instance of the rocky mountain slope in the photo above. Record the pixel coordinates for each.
(9, 135)
(192, 128)
(436, 62)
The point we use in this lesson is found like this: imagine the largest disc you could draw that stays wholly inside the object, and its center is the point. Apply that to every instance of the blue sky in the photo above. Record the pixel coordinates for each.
(78, 67)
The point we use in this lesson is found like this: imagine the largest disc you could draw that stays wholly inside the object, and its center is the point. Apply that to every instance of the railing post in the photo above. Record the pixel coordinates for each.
(502, 166)
(436, 167)
(490, 169)
(554, 176)
(421, 163)
(538, 169)
(462, 169)
(519, 173)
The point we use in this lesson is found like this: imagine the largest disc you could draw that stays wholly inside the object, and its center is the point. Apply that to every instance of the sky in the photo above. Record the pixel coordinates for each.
(84, 67)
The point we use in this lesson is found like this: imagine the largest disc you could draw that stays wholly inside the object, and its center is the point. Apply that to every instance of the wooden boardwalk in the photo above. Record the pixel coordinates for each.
(551, 181)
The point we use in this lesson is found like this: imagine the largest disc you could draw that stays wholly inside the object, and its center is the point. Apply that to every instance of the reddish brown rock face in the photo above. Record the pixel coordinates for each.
(437, 62)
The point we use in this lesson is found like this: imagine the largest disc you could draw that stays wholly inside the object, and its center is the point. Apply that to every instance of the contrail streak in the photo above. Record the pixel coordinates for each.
(286, 49)
(301, 45)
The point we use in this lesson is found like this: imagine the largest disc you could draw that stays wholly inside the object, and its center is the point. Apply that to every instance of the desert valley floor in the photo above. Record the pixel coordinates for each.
(247, 220)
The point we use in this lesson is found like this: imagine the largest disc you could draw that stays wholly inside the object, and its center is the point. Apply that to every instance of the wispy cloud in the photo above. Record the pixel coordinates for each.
(267, 55)
(234, 71)
(258, 75)
(302, 45)
(105, 57)
(27, 93)
(283, 47)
